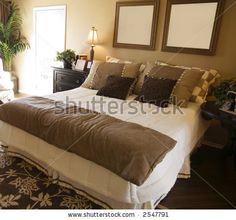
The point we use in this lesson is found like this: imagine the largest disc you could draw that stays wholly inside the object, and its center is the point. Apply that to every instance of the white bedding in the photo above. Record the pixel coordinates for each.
(99, 182)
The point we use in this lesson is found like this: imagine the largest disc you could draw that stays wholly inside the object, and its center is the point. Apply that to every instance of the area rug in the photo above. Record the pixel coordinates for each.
(23, 186)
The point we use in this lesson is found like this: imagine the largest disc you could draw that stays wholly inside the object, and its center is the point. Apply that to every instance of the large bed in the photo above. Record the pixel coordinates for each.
(98, 183)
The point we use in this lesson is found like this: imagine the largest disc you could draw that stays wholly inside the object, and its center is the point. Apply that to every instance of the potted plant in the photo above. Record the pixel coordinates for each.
(11, 40)
(221, 91)
(67, 57)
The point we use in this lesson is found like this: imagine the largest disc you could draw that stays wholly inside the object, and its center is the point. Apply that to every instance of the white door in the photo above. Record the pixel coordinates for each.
(49, 32)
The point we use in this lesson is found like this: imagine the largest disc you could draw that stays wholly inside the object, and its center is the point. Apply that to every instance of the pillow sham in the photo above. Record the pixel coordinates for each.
(155, 70)
(183, 89)
(156, 91)
(116, 87)
(200, 92)
(115, 69)
(138, 86)
(88, 82)
(110, 59)
(166, 72)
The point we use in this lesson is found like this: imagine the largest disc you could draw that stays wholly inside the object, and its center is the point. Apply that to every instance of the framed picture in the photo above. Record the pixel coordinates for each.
(80, 65)
(83, 56)
(192, 26)
(89, 64)
(136, 24)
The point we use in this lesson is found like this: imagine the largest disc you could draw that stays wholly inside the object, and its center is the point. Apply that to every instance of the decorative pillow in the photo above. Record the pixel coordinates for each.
(155, 70)
(200, 91)
(116, 87)
(161, 63)
(116, 60)
(183, 89)
(110, 59)
(114, 69)
(156, 91)
(188, 81)
(88, 82)
(166, 72)
(138, 87)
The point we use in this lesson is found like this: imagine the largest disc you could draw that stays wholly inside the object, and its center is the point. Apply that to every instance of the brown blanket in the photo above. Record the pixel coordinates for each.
(127, 149)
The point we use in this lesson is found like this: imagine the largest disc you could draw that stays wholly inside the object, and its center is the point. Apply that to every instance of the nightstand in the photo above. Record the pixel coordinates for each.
(210, 111)
(66, 79)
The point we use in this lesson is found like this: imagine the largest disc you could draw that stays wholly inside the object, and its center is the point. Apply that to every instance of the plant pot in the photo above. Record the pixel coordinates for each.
(7, 65)
(67, 65)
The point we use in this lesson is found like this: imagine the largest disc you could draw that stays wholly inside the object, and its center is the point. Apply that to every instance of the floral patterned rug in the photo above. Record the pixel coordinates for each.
(23, 186)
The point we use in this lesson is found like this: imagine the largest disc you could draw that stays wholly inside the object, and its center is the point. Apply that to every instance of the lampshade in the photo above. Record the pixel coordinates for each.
(93, 37)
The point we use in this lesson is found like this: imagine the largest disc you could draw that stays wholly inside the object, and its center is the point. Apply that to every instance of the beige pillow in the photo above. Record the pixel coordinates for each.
(138, 86)
(88, 82)
(187, 78)
(200, 91)
(106, 69)
(157, 71)
(182, 92)
(166, 72)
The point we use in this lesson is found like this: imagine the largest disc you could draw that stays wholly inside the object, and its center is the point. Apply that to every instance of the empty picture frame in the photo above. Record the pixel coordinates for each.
(192, 26)
(136, 24)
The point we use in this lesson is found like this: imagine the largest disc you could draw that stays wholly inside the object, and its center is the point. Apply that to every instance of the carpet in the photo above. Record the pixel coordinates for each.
(23, 186)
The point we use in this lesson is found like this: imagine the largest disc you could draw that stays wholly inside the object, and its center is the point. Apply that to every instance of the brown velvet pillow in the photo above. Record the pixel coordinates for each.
(156, 91)
(116, 87)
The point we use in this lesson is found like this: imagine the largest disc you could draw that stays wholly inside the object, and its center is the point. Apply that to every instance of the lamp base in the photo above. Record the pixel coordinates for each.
(92, 53)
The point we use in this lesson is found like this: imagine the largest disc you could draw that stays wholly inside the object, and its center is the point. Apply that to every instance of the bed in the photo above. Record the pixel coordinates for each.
(98, 183)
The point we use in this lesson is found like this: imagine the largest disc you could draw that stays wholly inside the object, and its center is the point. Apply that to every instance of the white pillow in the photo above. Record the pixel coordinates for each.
(88, 82)
(110, 59)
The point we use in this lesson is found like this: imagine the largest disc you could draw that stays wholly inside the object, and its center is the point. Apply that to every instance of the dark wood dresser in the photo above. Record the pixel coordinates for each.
(66, 79)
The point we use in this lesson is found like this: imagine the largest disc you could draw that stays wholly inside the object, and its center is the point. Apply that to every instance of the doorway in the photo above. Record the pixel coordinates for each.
(49, 32)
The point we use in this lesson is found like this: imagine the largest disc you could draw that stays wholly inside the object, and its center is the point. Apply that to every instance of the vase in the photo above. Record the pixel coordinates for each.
(67, 65)
(7, 65)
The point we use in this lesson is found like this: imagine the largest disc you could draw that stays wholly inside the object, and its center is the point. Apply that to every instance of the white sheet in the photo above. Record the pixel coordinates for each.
(99, 182)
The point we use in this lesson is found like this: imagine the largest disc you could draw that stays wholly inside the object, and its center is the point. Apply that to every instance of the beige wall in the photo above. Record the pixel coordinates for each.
(83, 14)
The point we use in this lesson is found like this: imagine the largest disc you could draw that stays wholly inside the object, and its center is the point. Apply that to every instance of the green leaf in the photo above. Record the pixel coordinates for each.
(11, 40)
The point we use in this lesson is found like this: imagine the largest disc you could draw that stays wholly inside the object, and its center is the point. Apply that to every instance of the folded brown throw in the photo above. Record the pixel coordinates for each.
(127, 149)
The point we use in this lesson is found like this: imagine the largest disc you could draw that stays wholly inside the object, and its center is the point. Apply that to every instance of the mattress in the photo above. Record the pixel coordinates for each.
(98, 183)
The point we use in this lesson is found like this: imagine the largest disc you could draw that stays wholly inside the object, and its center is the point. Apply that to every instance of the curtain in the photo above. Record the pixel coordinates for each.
(4, 10)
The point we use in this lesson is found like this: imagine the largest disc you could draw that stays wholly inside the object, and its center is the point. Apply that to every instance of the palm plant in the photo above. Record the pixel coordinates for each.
(11, 40)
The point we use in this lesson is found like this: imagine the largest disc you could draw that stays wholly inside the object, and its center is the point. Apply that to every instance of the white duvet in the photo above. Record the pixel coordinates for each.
(100, 184)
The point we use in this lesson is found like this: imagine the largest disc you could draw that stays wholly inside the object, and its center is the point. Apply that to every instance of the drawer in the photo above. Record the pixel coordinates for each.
(60, 87)
(70, 79)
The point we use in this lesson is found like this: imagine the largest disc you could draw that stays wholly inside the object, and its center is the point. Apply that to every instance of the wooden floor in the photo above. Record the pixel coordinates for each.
(212, 185)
